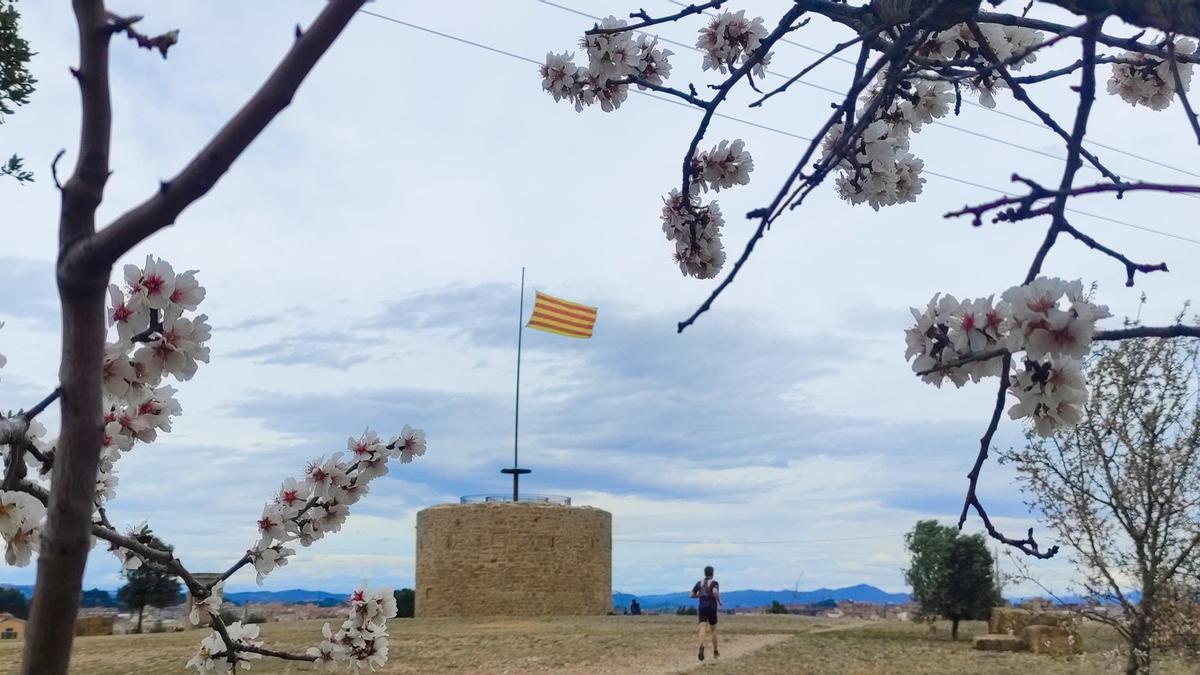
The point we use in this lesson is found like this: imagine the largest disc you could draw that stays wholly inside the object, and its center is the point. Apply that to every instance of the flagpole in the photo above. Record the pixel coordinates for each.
(515, 471)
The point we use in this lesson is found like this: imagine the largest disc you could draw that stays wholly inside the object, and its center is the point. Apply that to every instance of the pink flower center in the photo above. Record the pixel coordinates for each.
(289, 497)
(121, 313)
(265, 524)
(153, 284)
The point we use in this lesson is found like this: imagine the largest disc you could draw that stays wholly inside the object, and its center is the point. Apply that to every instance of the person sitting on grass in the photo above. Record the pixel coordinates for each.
(709, 593)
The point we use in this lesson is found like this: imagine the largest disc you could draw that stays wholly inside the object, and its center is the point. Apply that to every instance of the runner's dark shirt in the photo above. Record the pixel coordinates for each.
(704, 591)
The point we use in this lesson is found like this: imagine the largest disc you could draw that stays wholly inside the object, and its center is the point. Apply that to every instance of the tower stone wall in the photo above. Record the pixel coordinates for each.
(513, 559)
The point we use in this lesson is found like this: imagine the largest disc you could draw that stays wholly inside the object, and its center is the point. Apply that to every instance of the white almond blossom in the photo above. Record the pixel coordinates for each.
(612, 55)
(729, 41)
(267, 558)
(129, 315)
(21, 517)
(153, 284)
(272, 526)
(1140, 79)
(203, 660)
(1040, 325)
(1051, 394)
(409, 444)
(726, 165)
(654, 66)
(200, 610)
(703, 254)
(242, 635)
(292, 497)
(558, 75)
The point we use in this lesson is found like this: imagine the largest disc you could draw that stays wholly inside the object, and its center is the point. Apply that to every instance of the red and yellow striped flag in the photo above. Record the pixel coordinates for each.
(555, 315)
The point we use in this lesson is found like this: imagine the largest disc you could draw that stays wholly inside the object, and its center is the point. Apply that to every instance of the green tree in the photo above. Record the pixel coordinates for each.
(16, 84)
(149, 584)
(97, 598)
(776, 608)
(406, 603)
(950, 574)
(13, 602)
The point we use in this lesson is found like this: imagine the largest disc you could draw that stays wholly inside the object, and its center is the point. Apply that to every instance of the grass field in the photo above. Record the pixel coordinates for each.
(647, 645)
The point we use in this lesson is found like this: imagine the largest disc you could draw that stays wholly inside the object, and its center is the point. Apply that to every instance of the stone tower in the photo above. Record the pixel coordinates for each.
(503, 558)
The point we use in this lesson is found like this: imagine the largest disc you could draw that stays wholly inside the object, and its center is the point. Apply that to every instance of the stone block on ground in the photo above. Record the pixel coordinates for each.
(999, 643)
(1008, 620)
(1051, 640)
(1011, 620)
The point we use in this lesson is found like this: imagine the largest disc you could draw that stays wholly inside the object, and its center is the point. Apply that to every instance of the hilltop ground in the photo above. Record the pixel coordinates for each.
(649, 645)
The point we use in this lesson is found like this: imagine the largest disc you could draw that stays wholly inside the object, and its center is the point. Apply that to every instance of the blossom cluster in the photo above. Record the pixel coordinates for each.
(20, 526)
(614, 61)
(726, 165)
(1052, 321)
(1014, 46)
(729, 41)
(362, 640)
(1144, 80)
(305, 510)
(877, 167)
(211, 657)
(696, 231)
(156, 338)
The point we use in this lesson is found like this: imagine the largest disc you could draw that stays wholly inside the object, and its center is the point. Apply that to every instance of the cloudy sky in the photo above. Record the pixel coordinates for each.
(362, 263)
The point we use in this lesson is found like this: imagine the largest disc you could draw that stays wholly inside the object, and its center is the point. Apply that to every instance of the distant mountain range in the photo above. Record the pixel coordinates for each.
(732, 599)
(755, 598)
(295, 596)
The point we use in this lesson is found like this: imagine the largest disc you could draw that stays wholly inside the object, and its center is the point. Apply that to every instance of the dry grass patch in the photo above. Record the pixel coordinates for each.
(903, 648)
(624, 645)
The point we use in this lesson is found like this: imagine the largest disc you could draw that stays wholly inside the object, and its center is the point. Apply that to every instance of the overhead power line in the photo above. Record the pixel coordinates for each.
(756, 125)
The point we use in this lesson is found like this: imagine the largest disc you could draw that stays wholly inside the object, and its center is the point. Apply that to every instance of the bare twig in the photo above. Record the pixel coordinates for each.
(207, 167)
(1181, 90)
(648, 21)
(160, 43)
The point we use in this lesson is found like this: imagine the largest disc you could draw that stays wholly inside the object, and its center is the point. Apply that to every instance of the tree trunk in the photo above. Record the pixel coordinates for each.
(141, 609)
(954, 629)
(66, 537)
(1139, 649)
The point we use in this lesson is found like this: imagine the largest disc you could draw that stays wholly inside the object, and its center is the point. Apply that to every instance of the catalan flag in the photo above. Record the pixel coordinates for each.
(555, 315)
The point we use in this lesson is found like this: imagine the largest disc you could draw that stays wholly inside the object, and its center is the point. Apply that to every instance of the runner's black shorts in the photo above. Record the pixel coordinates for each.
(708, 614)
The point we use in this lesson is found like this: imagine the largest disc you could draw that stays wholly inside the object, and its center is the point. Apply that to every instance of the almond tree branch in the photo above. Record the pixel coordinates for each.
(648, 21)
(84, 264)
(211, 163)
(1128, 44)
(1181, 90)
(1177, 330)
(1026, 202)
(1087, 95)
(900, 50)
(1023, 96)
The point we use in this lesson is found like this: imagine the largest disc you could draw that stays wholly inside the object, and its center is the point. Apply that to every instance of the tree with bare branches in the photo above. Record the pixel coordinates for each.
(113, 397)
(916, 61)
(1122, 491)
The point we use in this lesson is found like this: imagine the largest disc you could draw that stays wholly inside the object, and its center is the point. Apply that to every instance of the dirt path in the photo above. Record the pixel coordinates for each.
(682, 659)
